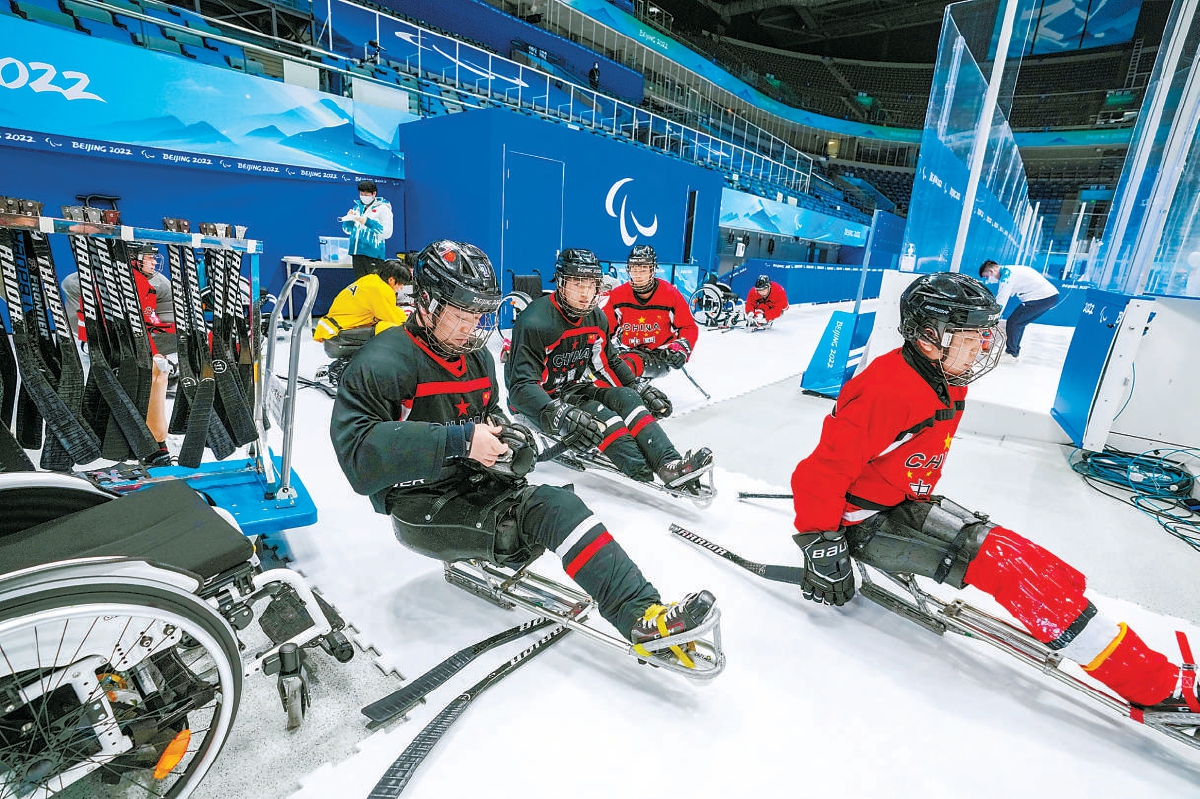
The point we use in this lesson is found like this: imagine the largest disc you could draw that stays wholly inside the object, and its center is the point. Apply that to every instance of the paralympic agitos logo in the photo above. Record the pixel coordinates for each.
(626, 215)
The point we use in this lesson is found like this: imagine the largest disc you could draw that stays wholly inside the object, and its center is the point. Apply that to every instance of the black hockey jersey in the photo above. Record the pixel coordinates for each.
(403, 414)
(550, 353)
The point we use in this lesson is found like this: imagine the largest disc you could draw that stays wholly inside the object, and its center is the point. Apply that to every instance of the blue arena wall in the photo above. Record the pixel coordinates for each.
(522, 188)
(286, 215)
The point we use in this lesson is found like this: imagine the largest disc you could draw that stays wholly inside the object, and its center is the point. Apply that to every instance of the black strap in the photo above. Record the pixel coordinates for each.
(940, 415)
(867, 504)
(1072, 632)
(952, 551)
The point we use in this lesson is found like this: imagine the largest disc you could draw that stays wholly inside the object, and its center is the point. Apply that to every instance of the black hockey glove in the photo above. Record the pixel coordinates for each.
(656, 402)
(677, 353)
(581, 427)
(522, 448)
(828, 573)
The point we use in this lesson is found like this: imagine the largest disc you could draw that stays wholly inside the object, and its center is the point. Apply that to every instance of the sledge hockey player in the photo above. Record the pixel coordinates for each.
(765, 303)
(866, 492)
(417, 426)
(564, 373)
(365, 308)
(650, 319)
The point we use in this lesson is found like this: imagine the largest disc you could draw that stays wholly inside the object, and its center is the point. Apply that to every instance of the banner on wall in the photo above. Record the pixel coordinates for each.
(748, 212)
(93, 148)
(67, 84)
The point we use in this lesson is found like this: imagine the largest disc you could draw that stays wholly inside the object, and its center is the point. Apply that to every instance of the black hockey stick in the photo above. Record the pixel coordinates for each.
(750, 495)
(76, 437)
(779, 574)
(8, 379)
(123, 351)
(394, 704)
(238, 418)
(401, 771)
(121, 409)
(70, 378)
(12, 456)
(134, 316)
(54, 456)
(197, 378)
(692, 380)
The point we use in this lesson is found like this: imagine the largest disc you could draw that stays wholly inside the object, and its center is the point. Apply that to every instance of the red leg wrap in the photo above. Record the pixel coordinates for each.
(1037, 587)
(634, 362)
(1134, 670)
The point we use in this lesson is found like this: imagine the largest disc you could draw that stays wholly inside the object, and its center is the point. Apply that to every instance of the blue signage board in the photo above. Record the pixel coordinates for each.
(744, 211)
(68, 84)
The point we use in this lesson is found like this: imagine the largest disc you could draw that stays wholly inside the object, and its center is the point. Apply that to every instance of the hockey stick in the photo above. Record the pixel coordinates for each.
(750, 495)
(401, 771)
(120, 336)
(398, 702)
(137, 325)
(779, 574)
(692, 380)
(54, 457)
(203, 424)
(8, 378)
(120, 405)
(76, 437)
(237, 416)
(70, 379)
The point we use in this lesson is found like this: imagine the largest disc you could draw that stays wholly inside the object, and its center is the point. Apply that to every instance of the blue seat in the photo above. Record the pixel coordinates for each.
(103, 30)
(36, 13)
(81, 12)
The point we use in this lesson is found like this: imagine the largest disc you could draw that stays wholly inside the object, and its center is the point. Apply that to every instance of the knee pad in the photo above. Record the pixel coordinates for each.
(1037, 587)
(634, 361)
(933, 539)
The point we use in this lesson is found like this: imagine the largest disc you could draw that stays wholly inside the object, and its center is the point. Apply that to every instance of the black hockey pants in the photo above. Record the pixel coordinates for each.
(936, 539)
(633, 440)
(511, 524)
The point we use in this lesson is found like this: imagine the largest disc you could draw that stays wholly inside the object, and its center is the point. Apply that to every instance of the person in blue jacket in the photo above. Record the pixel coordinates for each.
(368, 224)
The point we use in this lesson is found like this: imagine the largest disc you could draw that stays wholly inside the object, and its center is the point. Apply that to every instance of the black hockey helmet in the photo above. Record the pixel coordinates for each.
(763, 282)
(577, 263)
(642, 255)
(936, 306)
(451, 273)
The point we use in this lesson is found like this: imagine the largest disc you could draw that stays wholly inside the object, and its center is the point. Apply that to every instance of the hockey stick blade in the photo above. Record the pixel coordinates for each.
(398, 702)
(779, 574)
(401, 771)
(751, 495)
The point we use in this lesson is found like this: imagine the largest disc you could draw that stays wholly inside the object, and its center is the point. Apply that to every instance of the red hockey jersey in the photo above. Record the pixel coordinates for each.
(653, 323)
(885, 441)
(772, 306)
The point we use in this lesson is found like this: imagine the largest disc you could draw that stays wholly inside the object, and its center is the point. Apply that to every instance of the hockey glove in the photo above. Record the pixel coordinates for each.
(522, 449)
(656, 402)
(828, 575)
(566, 420)
(677, 353)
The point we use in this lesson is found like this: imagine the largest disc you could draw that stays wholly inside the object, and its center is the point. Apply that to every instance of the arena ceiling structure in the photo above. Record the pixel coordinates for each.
(870, 30)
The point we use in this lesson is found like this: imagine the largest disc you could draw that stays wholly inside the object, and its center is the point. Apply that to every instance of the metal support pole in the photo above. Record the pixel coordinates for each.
(982, 129)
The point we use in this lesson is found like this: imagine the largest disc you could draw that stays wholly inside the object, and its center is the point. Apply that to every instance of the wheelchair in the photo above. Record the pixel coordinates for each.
(120, 665)
(716, 305)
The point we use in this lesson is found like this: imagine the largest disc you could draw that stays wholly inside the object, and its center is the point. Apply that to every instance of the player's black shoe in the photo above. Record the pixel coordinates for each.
(673, 621)
(683, 474)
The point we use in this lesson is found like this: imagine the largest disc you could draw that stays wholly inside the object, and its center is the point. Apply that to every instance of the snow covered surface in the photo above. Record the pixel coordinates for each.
(850, 702)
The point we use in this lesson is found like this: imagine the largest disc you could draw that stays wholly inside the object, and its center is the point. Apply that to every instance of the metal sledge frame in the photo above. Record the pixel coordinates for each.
(956, 616)
(579, 461)
(541, 596)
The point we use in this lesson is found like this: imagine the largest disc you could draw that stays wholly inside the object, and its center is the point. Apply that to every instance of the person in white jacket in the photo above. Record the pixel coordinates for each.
(369, 225)
(1036, 293)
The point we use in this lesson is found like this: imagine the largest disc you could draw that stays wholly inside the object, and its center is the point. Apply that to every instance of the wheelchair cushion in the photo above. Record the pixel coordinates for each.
(169, 523)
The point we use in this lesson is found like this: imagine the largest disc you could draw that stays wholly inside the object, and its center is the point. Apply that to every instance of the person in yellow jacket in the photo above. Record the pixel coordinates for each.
(366, 307)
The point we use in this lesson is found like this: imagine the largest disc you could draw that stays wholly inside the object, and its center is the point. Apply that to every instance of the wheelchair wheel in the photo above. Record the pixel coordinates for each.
(708, 304)
(510, 308)
(112, 690)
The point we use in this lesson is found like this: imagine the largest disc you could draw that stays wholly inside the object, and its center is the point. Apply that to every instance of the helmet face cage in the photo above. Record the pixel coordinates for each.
(450, 274)
(577, 264)
(934, 308)
(642, 255)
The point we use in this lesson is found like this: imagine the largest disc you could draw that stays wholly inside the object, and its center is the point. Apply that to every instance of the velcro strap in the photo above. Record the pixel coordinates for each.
(951, 553)
(1188, 673)
(867, 504)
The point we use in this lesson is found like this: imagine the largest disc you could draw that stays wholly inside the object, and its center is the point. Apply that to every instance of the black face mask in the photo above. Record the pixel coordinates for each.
(929, 370)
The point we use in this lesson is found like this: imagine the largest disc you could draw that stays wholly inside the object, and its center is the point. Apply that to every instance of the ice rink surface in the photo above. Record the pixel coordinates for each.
(850, 702)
